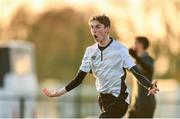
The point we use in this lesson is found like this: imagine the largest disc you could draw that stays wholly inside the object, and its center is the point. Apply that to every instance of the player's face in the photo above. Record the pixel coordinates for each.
(138, 46)
(98, 31)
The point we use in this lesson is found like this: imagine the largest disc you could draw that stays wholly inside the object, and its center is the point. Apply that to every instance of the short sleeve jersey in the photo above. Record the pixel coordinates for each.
(107, 66)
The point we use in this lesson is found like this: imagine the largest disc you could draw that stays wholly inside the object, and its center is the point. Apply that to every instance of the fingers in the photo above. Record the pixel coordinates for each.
(155, 85)
(155, 82)
(150, 93)
(157, 90)
(46, 92)
(153, 91)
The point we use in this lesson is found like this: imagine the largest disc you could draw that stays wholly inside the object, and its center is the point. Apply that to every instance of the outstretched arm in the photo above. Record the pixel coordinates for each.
(74, 83)
(152, 88)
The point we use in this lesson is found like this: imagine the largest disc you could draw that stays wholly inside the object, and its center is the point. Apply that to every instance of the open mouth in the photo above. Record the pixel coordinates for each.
(95, 36)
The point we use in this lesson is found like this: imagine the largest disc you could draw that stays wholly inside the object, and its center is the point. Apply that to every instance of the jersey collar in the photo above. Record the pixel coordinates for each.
(102, 48)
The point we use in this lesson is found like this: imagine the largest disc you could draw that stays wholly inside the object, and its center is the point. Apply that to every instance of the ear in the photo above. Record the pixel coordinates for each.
(107, 29)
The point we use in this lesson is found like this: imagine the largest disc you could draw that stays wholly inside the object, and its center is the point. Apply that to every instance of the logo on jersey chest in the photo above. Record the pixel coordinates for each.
(93, 57)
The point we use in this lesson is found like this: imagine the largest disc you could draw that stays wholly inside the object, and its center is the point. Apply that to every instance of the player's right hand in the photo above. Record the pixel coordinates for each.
(49, 93)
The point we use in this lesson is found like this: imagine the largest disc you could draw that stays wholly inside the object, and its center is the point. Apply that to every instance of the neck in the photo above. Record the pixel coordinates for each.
(105, 41)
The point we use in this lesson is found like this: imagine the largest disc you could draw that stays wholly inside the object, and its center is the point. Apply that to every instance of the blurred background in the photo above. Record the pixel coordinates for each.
(42, 43)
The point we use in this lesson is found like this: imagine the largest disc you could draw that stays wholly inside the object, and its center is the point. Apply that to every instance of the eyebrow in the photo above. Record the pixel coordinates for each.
(96, 25)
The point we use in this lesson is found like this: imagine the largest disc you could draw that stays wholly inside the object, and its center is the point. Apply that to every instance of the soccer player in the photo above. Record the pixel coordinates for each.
(145, 64)
(107, 59)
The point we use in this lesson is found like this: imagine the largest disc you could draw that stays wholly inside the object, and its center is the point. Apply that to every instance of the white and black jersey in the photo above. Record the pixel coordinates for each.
(108, 66)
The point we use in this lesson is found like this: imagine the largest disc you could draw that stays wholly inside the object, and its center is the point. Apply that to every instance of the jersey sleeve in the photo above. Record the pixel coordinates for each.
(128, 62)
(85, 64)
(76, 81)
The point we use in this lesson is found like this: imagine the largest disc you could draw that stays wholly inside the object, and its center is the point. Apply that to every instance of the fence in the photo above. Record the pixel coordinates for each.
(68, 107)
(82, 102)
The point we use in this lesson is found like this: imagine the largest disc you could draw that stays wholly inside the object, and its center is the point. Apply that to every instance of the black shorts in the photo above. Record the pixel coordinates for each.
(111, 106)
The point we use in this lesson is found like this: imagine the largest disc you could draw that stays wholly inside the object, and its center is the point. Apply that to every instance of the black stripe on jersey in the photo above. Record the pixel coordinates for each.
(143, 80)
(123, 88)
(102, 48)
(76, 81)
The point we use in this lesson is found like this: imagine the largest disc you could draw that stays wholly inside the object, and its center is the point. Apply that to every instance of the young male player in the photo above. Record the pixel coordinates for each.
(107, 59)
(145, 64)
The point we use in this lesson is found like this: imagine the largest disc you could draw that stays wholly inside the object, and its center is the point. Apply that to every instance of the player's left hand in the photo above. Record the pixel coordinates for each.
(153, 90)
